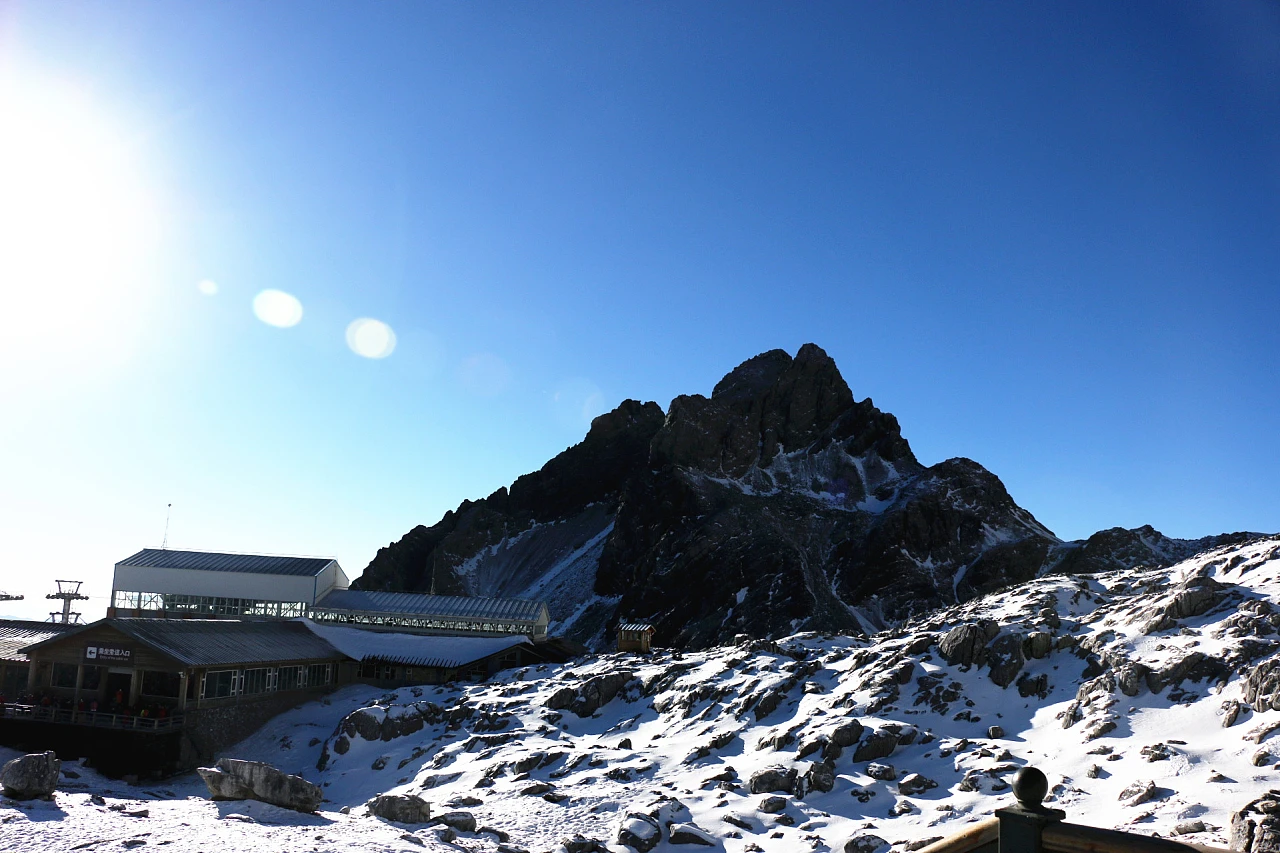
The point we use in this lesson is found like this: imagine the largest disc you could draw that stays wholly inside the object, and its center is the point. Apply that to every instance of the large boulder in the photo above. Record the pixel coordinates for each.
(1006, 659)
(401, 808)
(965, 645)
(639, 831)
(773, 780)
(234, 779)
(1256, 827)
(31, 776)
(878, 744)
(820, 776)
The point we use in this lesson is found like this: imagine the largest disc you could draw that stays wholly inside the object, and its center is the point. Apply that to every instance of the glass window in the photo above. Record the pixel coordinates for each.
(318, 675)
(156, 683)
(220, 683)
(289, 678)
(64, 675)
(255, 681)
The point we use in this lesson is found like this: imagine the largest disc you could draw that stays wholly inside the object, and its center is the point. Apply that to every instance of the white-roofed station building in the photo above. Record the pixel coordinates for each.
(159, 583)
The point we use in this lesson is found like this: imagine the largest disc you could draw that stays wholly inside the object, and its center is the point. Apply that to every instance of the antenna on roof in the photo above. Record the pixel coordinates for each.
(167, 512)
(67, 594)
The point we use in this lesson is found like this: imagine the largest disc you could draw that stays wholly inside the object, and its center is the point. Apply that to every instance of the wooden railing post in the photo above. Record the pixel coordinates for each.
(1022, 825)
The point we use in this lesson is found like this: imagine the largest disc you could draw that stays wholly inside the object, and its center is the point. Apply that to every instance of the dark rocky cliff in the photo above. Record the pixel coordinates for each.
(777, 504)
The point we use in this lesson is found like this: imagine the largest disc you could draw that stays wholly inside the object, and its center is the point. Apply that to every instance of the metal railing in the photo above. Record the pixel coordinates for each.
(1029, 827)
(96, 719)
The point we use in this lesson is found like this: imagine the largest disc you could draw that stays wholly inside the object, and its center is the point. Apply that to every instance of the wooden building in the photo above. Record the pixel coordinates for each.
(123, 664)
(635, 637)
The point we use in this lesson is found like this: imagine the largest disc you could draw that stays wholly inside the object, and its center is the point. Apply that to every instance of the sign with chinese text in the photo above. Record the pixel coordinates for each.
(108, 654)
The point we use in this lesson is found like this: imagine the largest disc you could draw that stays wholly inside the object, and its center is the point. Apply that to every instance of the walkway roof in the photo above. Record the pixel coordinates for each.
(446, 606)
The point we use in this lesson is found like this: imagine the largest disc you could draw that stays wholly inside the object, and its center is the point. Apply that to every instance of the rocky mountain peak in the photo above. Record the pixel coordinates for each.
(776, 504)
(770, 404)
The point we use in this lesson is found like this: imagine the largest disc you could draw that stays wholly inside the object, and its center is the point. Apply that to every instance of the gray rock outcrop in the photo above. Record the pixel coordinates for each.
(1256, 827)
(401, 808)
(773, 780)
(234, 779)
(30, 776)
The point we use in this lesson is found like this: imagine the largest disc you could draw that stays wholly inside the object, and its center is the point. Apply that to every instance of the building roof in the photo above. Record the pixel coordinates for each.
(17, 634)
(211, 561)
(636, 626)
(417, 604)
(214, 642)
(413, 649)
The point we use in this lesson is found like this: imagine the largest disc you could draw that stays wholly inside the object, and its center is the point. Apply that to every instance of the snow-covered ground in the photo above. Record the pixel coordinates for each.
(1137, 670)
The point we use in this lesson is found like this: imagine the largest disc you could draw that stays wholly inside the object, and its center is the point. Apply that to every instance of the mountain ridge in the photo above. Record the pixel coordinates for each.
(779, 503)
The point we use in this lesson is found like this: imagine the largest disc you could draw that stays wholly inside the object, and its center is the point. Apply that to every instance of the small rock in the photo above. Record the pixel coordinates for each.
(581, 844)
(882, 772)
(1189, 827)
(1262, 757)
(1137, 793)
(687, 833)
(995, 732)
(772, 805)
(866, 844)
(461, 821)
(914, 783)
(537, 789)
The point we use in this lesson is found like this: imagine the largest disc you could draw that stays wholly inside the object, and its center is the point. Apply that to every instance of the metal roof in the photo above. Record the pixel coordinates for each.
(417, 604)
(415, 649)
(636, 626)
(17, 634)
(216, 642)
(211, 561)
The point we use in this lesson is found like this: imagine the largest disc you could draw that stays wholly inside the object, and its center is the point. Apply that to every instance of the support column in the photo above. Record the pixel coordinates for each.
(75, 699)
(184, 683)
(135, 687)
(32, 669)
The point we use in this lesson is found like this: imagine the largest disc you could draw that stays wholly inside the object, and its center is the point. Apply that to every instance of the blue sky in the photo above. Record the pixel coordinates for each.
(1045, 236)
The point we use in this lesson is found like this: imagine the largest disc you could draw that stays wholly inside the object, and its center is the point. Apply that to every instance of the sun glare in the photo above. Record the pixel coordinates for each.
(277, 308)
(77, 227)
(371, 338)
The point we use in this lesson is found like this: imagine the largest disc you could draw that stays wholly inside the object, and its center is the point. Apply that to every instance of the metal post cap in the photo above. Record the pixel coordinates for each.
(1030, 787)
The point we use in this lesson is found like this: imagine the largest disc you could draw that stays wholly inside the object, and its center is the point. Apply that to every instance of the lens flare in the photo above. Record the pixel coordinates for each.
(484, 374)
(371, 338)
(277, 308)
(208, 287)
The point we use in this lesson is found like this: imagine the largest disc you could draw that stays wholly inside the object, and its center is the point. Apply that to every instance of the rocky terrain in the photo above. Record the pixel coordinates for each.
(1150, 698)
(779, 504)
